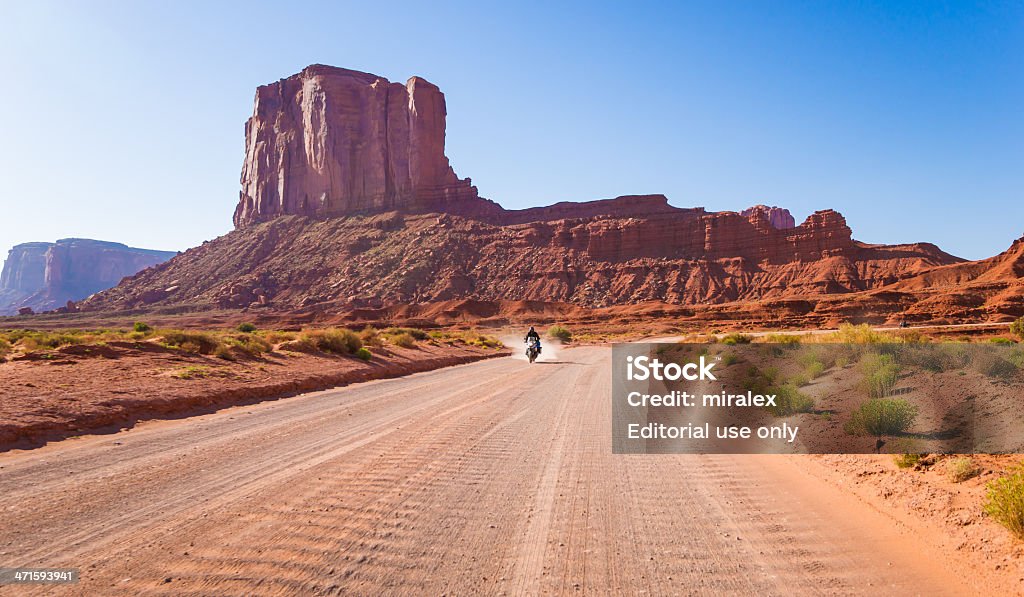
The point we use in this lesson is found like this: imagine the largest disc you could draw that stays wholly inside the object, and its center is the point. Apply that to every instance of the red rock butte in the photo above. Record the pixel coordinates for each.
(348, 201)
(331, 141)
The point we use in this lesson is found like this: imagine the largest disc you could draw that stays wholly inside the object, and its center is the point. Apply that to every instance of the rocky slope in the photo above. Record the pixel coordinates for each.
(679, 256)
(44, 276)
(348, 201)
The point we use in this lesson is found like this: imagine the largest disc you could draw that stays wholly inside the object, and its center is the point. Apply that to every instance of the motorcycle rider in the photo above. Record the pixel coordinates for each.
(533, 334)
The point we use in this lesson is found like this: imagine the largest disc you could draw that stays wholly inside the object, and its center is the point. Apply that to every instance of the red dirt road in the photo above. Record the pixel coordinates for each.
(495, 477)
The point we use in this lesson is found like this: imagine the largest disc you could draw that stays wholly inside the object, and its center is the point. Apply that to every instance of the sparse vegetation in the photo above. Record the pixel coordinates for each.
(906, 460)
(334, 340)
(560, 333)
(402, 339)
(190, 341)
(881, 417)
(370, 336)
(141, 327)
(1017, 328)
(191, 372)
(961, 469)
(736, 338)
(364, 354)
(784, 339)
(789, 401)
(881, 372)
(1004, 502)
(246, 327)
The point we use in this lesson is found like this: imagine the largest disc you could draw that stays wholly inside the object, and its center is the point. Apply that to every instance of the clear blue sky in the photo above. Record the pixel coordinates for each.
(124, 121)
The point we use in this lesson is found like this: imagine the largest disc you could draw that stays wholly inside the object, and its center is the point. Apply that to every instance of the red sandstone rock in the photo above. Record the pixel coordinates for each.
(331, 141)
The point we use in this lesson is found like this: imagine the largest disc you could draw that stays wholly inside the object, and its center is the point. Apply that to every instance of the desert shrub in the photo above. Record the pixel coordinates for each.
(364, 354)
(880, 374)
(141, 327)
(223, 352)
(403, 339)
(1017, 328)
(249, 343)
(784, 339)
(759, 380)
(370, 336)
(277, 337)
(858, 334)
(736, 338)
(201, 342)
(336, 340)
(882, 416)
(5, 348)
(416, 334)
(246, 327)
(1004, 502)
(961, 469)
(560, 333)
(728, 358)
(1002, 340)
(906, 460)
(789, 401)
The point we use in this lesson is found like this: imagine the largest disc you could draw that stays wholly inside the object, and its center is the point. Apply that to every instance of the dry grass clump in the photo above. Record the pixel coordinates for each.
(333, 340)
(961, 469)
(402, 339)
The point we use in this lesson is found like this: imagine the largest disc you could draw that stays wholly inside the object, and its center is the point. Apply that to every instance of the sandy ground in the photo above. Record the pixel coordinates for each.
(81, 389)
(495, 477)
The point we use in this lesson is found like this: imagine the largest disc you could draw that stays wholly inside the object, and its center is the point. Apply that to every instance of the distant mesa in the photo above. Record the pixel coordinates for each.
(43, 276)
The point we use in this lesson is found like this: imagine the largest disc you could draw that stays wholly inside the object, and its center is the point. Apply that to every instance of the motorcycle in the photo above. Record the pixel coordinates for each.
(532, 349)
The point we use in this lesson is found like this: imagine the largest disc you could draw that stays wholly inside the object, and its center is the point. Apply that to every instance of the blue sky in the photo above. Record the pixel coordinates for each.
(124, 121)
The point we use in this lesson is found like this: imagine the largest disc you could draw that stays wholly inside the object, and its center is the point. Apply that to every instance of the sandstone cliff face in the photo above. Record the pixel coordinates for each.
(331, 141)
(46, 276)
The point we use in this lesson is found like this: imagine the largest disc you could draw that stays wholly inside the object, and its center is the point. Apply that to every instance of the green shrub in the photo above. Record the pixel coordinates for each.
(858, 334)
(882, 416)
(416, 334)
(249, 343)
(1017, 328)
(560, 333)
(370, 336)
(785, 339)
(403, 339)
(961, 469)
(736, 338)
(201, 342)
(246, 327)
(906, 460)
(1002, 340)
(880, 374)
(1004, 502)
(335, 340)
(364, 354)
(141, 327)
(789, 401)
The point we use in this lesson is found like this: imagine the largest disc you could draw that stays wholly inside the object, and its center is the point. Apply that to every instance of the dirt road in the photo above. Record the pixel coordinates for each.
(495, 477)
